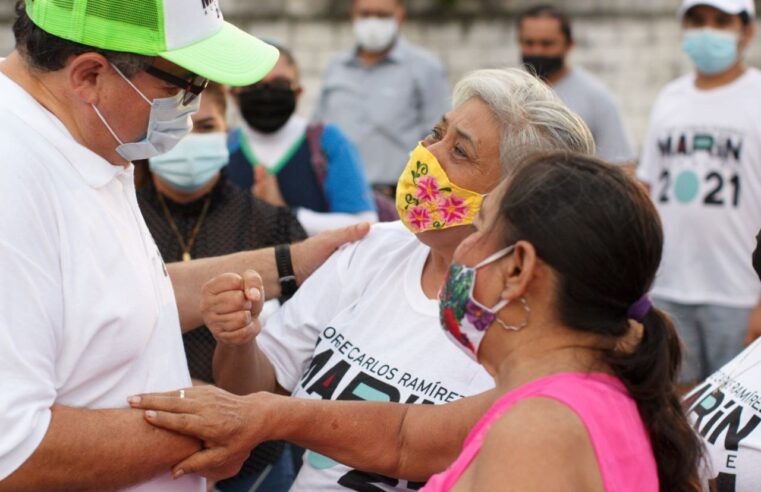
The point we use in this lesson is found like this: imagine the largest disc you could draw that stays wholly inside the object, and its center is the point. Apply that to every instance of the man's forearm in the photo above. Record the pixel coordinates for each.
(307, 256)
(99, 450)
(189, 277)
(243, 369)
(410, 442)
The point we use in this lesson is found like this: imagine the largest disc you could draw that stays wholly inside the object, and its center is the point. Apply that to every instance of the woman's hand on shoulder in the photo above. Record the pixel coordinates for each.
(309, 255)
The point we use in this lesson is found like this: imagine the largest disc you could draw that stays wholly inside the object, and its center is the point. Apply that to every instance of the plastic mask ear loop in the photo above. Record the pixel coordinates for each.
(103, 119)
(494, 257)
(490, 259)
(108, 127)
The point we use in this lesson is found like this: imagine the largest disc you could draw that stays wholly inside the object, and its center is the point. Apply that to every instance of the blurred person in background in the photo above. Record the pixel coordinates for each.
(193, 211)
(724, 410)
(385, 92)
(277, 155)
(546, 40)
(702, 161)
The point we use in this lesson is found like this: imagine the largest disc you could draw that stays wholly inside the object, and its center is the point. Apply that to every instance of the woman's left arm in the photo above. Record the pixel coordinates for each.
(410, 442)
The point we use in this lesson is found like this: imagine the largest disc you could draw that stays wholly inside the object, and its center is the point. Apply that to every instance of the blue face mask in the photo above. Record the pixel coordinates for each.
(712, 51)
(193, 162)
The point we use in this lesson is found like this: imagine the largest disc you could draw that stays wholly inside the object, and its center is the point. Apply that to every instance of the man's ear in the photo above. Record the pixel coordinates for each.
(570, 45)
(746, 35)
(401, 15)
(86, 76)
(521, 268)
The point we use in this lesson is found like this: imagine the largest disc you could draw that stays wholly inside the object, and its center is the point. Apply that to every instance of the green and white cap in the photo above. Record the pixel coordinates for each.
(189, 33)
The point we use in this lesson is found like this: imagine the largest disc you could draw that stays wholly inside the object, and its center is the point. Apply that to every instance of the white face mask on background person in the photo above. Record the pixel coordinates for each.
(168, 123)
(193, 162)
(375, 34)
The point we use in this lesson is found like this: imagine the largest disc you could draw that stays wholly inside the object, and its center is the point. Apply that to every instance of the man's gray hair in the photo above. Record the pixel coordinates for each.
(532, 117)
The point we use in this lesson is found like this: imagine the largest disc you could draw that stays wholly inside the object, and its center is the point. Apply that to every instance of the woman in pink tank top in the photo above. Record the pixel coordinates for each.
(559, 317)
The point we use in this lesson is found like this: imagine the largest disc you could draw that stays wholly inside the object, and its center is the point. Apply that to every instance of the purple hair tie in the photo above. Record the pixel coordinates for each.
(640, 308)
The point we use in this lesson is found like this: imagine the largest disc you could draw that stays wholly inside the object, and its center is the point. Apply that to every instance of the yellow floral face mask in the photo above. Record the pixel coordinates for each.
(427, 201)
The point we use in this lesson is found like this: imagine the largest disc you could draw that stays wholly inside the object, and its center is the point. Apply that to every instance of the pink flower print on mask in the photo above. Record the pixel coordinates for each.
(427, 189)
(453, 209)
(419, 218)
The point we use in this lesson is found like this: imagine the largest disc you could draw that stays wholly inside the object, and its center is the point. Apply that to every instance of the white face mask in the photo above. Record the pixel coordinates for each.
(168, 123)
(375, 34)
(193, 162)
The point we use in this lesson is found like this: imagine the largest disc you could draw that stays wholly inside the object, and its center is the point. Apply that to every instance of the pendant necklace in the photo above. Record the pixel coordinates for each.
(186, 247)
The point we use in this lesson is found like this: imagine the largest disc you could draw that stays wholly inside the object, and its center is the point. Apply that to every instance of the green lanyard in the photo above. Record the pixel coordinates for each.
(248, 152)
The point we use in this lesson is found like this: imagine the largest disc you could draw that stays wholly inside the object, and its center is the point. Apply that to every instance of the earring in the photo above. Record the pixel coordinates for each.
(526, 309)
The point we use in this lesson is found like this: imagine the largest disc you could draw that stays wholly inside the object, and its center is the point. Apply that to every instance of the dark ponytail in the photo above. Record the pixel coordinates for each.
(649, 373)
(600, 233)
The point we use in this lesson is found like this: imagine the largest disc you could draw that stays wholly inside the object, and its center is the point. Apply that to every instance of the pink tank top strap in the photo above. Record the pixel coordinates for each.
(601, 402)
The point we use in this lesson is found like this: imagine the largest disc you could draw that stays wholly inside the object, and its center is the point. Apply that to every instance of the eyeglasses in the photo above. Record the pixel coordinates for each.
(191, 88)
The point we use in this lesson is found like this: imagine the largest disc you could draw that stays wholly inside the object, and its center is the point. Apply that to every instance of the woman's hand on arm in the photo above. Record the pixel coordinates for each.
(404, 441)
(228, 425)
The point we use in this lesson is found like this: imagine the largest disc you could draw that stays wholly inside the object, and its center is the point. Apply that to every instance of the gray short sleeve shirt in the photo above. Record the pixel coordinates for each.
(589, 98)
(386, 108)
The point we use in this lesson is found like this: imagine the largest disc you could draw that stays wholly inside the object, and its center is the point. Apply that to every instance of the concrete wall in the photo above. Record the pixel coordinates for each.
(633, 46)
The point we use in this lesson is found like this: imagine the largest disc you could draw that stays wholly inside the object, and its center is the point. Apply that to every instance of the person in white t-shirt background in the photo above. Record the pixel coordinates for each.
(366, 325)
(702, 161)
(725, 410)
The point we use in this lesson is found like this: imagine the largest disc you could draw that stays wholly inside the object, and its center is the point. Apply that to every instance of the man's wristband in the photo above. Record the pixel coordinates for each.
(285, 273)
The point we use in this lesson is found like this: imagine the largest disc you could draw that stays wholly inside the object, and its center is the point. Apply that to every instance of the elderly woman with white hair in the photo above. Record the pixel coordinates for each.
(365, 326)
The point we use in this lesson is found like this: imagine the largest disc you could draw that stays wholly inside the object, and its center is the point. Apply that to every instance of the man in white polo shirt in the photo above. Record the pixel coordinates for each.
(87, 310)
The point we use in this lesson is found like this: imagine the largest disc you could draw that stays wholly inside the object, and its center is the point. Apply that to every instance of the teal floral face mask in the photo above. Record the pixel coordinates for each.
(463, 318)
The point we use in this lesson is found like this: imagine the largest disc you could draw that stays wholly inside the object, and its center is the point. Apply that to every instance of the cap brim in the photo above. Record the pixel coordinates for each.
(731, 10)
(231, 56)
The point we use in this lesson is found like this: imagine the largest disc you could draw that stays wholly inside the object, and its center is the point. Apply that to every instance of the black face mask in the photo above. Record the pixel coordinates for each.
(266, 108)
(757, 256)
(543, 66)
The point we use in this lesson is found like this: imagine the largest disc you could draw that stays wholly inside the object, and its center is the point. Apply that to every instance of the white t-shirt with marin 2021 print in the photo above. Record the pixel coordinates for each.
(361, 328)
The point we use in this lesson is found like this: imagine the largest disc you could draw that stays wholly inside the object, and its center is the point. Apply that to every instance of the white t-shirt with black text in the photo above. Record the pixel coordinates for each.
(726, 411)
(702, 160)
(361, 328)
